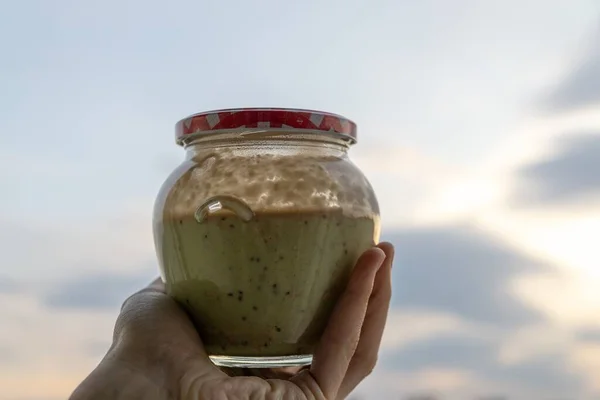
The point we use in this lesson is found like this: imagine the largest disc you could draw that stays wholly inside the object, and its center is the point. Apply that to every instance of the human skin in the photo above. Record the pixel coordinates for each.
(157, 353)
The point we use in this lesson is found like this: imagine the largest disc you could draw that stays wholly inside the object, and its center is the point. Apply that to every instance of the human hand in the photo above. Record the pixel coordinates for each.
(157, 354)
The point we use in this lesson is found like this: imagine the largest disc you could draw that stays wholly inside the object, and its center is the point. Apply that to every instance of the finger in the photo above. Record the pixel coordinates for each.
(339, 341)
(157, 285)
(150, 313)
(365, 357)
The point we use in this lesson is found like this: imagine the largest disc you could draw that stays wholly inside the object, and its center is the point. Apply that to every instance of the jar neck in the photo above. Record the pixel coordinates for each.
(282, 143)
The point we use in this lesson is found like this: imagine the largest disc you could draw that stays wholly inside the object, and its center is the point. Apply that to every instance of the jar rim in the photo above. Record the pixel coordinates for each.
(288, 120)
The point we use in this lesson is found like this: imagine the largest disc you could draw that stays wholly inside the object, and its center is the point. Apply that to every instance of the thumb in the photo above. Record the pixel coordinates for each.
(150, 321)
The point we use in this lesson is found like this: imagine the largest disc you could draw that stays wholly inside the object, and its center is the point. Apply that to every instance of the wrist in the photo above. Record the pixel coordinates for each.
(161, 364)
(108, 381)
(122, 375)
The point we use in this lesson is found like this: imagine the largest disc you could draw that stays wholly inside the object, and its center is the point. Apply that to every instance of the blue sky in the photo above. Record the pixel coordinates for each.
(485, 116)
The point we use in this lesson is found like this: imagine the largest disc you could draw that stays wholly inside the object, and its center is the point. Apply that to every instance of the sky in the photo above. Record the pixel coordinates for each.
(479, 128)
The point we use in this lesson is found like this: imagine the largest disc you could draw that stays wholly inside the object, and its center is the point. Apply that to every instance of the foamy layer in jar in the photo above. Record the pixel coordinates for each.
(270, 182)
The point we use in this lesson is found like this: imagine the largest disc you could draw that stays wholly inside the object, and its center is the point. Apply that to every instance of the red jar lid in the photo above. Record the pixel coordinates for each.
(290, 120)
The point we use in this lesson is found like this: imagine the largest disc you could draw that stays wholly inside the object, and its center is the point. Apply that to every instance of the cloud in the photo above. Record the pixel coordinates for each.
(455, 310)
(43, 354)
(570, 174)
(8, 285)
(461, 270)
(581, 87)
(441, 383)
(452, 351)
(406, 326)
(97, 290)
(548, 375)
(7, 355)
(589, 335)
(55, 247)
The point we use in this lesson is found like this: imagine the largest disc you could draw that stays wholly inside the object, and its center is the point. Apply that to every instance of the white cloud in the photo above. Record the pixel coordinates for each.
(586, 359)
(484, 190)
(563, 236)
(46, 354)
(549, 339)
(448, 383)
(406, 163)
(533, 341)
(402, 178)
(406, 327)
(571, 300)
(42, 249)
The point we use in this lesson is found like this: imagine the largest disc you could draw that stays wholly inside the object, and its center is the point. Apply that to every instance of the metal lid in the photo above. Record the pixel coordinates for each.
(275, 119)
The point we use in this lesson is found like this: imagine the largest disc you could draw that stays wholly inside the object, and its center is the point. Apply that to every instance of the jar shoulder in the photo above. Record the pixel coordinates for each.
(268, 183)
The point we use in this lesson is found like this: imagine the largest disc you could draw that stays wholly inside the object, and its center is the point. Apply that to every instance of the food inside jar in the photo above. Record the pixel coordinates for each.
(263, 287)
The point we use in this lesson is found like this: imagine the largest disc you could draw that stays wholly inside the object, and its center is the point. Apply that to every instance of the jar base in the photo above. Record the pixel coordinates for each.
(261, 362)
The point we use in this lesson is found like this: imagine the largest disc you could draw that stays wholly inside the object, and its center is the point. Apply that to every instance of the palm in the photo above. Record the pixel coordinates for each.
(244, 384)
(157, 349)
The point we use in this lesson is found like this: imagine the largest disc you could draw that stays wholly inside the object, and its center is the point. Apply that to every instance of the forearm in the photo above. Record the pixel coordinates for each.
(141, 364)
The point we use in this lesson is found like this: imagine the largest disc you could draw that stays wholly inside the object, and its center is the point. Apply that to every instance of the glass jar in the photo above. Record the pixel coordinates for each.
(258, 230)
